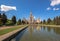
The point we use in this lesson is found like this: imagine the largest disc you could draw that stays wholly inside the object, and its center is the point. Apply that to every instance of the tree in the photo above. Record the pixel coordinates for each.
(59, 20)
(0, 19)
(56, 20)
(44, 21)
(0, 15)
(23, 22)
(19, 22)
(4, 19)
(49, 21)
(41, 22)
(13, 20)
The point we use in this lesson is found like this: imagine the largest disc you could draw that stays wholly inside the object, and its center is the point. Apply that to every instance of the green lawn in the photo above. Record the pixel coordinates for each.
(4, 31)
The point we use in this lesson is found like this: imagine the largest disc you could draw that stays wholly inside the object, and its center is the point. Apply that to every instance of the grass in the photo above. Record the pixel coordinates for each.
(4, 31)
(49, 25)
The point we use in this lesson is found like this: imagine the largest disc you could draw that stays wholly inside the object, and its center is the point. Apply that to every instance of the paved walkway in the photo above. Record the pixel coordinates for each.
(5, 27)
(2, 37)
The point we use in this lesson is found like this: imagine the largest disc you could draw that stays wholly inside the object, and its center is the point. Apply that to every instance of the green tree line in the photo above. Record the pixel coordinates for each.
(13, 21)
(54, 21)
(8, 22)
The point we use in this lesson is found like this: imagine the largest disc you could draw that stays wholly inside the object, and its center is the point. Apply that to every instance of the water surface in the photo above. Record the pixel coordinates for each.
(37, 33)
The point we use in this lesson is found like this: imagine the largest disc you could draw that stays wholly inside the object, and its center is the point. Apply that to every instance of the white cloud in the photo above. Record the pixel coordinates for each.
(55, 9)
(55, 2)
(48, 8)
(7, 8)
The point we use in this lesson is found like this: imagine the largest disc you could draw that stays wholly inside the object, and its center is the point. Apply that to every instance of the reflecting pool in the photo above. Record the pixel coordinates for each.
(37, 33)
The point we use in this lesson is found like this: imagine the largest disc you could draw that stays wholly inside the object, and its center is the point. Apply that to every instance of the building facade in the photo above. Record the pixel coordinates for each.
(32, 20)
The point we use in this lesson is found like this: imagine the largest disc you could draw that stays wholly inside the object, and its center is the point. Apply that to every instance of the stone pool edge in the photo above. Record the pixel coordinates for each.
(10, 35)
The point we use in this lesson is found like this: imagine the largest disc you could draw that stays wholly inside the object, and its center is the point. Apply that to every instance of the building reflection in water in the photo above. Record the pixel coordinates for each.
(30, 29)
(38, 28)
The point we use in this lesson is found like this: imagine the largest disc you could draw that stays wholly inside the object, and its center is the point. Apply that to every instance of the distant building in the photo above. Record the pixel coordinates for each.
(38, 20)
(32, 20)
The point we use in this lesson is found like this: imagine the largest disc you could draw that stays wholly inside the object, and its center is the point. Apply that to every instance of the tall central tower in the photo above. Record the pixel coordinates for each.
(31, 18)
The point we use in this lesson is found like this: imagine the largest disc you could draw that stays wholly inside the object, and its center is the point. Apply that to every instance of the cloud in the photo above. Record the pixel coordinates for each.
(7, 8)
(55, 9)
(55, 2)
(48, 8)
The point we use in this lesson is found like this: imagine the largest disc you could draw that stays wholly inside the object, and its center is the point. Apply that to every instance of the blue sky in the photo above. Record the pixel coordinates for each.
(42, 9)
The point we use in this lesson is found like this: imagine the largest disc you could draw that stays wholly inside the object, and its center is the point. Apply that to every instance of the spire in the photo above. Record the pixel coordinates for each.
(30, 13)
